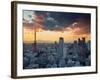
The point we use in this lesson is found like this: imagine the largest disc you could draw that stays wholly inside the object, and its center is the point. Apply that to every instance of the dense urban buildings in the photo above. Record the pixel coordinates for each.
(57, 54)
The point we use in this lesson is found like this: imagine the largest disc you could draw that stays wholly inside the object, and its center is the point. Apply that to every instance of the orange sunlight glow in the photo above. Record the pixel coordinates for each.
(51, 36)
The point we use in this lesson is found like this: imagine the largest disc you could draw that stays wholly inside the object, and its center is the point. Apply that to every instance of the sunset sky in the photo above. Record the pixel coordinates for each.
(50, 26)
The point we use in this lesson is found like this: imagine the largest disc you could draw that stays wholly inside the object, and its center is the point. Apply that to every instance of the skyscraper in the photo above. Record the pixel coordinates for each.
(83, 39)
(60, 46)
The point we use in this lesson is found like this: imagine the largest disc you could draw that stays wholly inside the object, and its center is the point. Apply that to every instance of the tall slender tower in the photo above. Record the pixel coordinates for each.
(35, 43)
(37, 23)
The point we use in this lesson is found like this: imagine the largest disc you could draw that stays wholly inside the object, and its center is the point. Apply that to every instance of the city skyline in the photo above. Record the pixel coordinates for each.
(50, 26)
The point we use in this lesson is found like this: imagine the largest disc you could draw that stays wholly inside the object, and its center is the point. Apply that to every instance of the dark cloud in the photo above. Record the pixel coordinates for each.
(59, 21)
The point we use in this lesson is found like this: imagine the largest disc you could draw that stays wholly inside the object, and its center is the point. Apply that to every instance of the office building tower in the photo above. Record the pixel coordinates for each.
(60, 46)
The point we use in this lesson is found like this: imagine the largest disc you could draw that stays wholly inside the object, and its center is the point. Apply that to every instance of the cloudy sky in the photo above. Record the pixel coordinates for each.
(55, 24)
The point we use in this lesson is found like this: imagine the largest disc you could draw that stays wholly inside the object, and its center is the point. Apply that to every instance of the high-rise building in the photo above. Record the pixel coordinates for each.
(79, 40)
(60, 46)
(89, 45)
(83, 39)
(55, 46)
